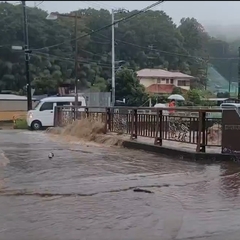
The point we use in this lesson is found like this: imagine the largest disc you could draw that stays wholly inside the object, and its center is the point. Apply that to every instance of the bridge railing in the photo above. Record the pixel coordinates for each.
(199, 127)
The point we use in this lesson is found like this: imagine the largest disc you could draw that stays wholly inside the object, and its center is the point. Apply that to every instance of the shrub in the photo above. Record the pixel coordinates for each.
(20, 123)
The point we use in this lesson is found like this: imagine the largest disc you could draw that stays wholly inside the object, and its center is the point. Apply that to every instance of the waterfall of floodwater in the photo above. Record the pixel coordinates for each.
(86, 130)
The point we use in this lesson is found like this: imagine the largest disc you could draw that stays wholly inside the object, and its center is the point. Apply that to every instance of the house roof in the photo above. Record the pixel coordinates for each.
(161, 73)
(161, 88)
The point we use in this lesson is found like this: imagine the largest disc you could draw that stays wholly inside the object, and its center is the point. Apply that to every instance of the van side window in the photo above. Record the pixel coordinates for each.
(63, 103)
(79, 103)
(47, 106)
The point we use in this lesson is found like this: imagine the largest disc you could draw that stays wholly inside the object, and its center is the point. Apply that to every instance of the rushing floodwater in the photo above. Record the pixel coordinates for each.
(86, 193)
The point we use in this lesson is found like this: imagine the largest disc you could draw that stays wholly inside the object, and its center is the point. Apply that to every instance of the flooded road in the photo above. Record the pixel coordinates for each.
(86, 193)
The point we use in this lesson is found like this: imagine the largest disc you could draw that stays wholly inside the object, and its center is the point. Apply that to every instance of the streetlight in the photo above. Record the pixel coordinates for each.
(113, 59)
(54, 16)
(114, 24)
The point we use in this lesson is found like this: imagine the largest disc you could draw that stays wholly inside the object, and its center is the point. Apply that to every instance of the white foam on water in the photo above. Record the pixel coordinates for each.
(3, 160)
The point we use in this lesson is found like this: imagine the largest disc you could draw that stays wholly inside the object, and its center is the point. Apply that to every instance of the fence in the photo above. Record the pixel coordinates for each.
(191, 126)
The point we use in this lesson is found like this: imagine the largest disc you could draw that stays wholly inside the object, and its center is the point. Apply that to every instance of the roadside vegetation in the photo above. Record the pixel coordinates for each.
(20, 123)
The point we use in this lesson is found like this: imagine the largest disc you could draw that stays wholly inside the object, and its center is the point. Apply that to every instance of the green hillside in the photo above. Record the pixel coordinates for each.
(217, 83)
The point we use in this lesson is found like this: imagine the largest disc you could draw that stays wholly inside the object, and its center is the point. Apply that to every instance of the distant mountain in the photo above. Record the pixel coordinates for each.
(223, 32)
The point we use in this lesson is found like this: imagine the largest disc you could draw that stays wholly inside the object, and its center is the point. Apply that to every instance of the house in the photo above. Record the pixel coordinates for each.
(159, 81)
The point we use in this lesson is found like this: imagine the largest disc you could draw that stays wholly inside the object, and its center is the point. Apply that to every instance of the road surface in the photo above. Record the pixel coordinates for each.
(86, 193)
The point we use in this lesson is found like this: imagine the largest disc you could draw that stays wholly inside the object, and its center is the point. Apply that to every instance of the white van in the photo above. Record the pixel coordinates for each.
(43, 114)
(230, 105)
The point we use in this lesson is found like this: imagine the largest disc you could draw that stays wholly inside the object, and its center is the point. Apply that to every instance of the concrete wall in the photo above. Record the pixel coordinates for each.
(13, 108)
(14, 105)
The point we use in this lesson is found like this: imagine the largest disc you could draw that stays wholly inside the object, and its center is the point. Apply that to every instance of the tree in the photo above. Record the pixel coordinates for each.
(194, 34)
(158, 43)
(223, 95)
(194, 96)
(177, 90)
(128, 87)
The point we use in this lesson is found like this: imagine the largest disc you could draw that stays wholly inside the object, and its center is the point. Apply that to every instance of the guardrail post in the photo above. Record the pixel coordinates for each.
(199, 136)
(132, 125)
(56, 116)
(87, 112)
(159, 128)
(203, 144)
(72, 108)
(108, 119)
(134, 121)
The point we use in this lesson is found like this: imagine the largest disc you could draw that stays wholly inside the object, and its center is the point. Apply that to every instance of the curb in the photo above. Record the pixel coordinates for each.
(182, 154)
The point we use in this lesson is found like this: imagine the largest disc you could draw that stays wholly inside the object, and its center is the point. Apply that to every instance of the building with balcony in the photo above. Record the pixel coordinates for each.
(159, 81)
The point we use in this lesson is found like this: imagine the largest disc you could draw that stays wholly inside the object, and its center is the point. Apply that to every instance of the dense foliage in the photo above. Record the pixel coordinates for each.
(149, 40)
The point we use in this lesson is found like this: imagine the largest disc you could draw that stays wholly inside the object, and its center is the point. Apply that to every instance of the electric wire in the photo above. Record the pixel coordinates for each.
(105, 27)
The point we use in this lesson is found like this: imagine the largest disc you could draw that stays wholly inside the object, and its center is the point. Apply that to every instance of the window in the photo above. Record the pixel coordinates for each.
(159, 80)
(63, 103)
(47, 106)
(79, 103)
(37, 105)
(183, 83)
(167, 81)
(171, 81)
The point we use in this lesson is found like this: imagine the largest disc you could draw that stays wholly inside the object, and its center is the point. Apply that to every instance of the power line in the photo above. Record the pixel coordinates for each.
(154, 50)
(105, 66)
(54, 57)
(39, 4)
(161, 51)
(107, 26)
(174, 53)
(95, 54)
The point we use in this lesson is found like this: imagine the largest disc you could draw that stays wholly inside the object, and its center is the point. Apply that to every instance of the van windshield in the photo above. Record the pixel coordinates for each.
(37, 106)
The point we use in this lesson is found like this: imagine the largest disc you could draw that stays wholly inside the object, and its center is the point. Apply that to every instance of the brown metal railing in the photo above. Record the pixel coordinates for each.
(191, 126)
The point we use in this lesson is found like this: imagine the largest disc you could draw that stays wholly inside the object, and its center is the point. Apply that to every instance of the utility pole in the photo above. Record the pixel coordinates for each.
(54, 16)
(239, 73)
(113, 60)
(26, 50)
(230, 77)
(76, 65)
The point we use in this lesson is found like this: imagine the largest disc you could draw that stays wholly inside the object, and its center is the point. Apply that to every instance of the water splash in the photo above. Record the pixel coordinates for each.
(87, 130)
(3, 160)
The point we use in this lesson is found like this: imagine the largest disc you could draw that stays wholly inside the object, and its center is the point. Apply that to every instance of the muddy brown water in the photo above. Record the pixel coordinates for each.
(86, 193)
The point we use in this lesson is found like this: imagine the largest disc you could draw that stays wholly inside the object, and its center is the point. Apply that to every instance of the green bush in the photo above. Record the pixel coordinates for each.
(21, 124)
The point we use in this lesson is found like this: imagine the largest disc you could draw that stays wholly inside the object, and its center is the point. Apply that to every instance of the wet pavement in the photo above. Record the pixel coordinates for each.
(86, 193)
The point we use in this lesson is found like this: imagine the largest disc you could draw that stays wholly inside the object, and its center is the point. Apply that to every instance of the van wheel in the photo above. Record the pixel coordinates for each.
(36, 125)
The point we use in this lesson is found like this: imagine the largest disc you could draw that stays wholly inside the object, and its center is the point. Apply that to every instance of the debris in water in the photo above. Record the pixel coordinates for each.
(50, 155)
(142, 190)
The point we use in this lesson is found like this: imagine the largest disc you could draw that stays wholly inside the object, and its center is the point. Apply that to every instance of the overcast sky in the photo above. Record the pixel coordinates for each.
(206, 12)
